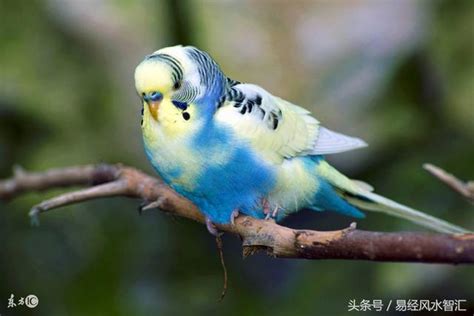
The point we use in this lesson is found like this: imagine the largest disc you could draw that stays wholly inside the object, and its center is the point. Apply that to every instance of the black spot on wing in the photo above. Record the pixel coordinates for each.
(248, 105)
(275, 121)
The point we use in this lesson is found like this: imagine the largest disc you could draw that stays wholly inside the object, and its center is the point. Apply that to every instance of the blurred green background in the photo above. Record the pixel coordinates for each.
(399, 74)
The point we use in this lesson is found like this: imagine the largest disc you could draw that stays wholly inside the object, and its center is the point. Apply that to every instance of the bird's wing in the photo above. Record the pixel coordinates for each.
(276, 128)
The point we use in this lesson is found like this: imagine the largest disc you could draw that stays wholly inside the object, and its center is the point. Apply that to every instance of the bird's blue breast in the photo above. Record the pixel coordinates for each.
(226, 175)
(240, 182)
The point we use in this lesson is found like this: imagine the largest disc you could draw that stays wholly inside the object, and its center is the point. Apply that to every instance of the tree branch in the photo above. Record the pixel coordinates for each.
(466, 189)
(279, 241)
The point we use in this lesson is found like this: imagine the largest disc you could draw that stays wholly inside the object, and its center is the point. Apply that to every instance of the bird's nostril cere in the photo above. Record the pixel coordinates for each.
(156, 96)
(152, 96)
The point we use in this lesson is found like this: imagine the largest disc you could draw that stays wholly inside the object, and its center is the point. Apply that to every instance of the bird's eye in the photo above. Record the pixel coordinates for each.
(177, 85)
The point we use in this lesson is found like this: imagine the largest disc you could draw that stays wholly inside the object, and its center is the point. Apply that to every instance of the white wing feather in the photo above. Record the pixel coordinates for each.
(330, 142)
(297, 133)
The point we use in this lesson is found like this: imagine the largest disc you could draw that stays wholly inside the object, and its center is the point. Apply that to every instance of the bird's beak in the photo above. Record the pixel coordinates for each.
(153, 99)
(153, 106)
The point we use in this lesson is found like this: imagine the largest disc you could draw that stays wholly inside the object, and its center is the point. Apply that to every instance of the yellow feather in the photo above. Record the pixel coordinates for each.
(337, 179)
(294, 183)
(153, 76)
(295, 135)
(169, 142)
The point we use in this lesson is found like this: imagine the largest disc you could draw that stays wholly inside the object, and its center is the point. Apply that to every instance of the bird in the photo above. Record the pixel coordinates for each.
(234, 148)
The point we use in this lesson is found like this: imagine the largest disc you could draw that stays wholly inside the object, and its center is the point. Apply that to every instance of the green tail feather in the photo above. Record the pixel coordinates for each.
(373, 202)
(360, 195)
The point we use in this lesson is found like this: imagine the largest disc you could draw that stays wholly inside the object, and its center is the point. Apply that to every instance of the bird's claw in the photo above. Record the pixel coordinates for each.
(269, 214)
(266, 209)
(212, 229)
(275, 211)
(233, 216)
(148, 206)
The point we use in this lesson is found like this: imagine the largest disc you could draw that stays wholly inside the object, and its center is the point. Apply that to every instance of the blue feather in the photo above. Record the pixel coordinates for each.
(240, 182)
(326, 199)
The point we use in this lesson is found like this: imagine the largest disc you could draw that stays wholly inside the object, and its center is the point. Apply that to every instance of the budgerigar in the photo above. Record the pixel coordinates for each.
(233, 147)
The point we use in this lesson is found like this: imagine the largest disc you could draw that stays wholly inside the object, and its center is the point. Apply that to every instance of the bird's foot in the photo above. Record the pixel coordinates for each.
(352, 226)
(266, 208)
(150, 205)
(269, 213)
(235, 213)
(273, 214)
(275, 211)
(211, 228)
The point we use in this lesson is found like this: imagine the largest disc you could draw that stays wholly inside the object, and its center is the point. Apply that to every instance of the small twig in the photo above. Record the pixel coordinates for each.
(114, 188)
(466, 189)
(276, 240)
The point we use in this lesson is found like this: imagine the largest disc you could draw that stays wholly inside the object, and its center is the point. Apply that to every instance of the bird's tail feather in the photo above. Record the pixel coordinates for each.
(373, 202)
(361, 195)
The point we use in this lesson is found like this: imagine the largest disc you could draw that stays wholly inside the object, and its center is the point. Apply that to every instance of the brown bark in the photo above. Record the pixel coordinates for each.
(276, 240)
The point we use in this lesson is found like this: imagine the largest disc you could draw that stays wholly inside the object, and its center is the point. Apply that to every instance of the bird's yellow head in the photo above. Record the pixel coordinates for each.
(167, 82)
(153, 82)
(180, 88)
